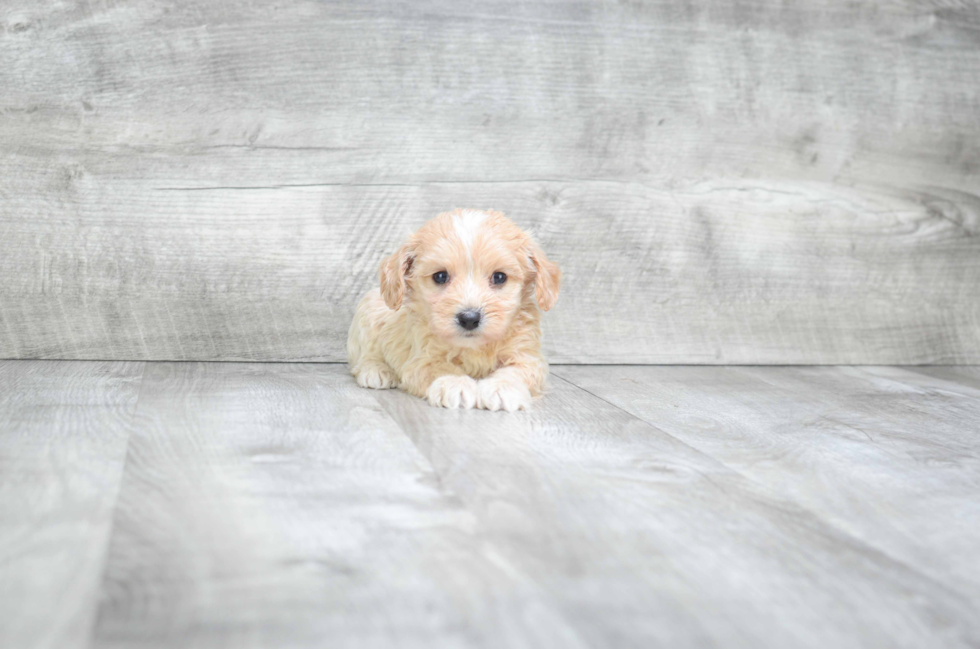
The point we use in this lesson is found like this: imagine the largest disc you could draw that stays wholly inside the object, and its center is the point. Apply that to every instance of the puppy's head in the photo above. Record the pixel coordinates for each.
(470, 272)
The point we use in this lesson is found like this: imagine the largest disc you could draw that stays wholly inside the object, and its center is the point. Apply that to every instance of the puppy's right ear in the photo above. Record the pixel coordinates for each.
(392, 273)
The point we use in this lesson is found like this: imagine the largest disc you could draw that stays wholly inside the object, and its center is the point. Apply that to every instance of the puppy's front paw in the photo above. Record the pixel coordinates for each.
(497, 394)
(453, 391)
(376, 376)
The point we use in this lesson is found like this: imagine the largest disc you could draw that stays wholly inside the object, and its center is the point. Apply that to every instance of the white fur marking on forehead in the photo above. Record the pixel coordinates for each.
(467, 223)
(471, 295)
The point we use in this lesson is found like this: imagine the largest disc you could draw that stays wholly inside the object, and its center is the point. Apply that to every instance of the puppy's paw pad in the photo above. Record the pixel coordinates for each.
(453, 391)
(503, 395)
(376, 376)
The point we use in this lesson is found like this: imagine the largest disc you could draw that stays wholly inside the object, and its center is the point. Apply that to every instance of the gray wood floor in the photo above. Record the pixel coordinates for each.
(278, 505)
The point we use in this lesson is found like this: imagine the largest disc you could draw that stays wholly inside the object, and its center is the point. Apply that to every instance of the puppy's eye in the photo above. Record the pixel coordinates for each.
(441, 277)
(498, 278)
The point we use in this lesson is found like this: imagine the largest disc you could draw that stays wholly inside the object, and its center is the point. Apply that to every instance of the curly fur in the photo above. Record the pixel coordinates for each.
(405, 334)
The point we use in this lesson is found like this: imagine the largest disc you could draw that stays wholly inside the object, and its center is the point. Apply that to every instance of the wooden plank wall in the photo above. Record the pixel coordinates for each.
(723, 182)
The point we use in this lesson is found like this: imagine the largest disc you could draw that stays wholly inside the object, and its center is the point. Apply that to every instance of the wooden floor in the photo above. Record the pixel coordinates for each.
(262, 505)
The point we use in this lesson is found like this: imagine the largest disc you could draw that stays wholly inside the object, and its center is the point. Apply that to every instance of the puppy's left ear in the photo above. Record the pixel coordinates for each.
(547, 276)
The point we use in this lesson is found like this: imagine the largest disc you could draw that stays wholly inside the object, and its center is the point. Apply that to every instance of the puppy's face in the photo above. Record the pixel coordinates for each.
(469, 272)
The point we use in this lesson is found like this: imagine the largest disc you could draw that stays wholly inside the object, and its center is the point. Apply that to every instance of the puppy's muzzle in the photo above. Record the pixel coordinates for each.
(469, 319)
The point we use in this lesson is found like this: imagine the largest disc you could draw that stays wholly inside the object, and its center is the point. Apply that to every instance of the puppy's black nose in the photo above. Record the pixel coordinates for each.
(468, 320)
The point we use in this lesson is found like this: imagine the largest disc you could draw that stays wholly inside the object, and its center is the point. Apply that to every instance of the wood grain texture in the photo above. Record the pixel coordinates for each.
(278, 506)
(890, 456)
(640, 539)
(968, 375)
(722, 182)
(63, 433)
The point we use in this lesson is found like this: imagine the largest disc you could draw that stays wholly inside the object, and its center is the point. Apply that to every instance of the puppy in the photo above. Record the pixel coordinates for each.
(456, 320)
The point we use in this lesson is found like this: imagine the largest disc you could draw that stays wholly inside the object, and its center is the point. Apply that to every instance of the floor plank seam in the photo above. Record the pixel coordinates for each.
(441, 484)
(974, 391)
(654, 426)
(831, 526)
(104, 569)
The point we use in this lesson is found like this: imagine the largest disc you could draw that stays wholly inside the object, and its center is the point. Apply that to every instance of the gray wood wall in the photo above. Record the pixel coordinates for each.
(747, 182)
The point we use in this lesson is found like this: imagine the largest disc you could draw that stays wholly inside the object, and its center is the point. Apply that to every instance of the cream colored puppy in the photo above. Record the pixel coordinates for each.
(456, 320)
